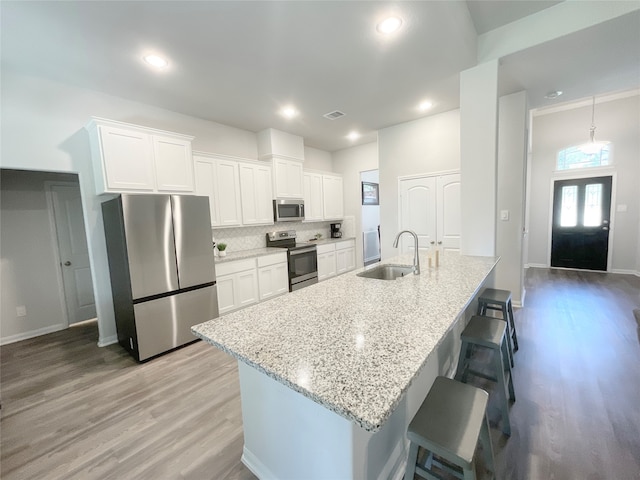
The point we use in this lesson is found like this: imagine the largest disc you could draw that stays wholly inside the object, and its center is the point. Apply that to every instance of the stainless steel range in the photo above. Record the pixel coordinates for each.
(302, 257)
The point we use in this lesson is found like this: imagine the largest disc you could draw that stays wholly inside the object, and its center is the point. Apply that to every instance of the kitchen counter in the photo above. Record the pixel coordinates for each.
(253, 253)
(324, 241)
(352, 344)
(331, 375)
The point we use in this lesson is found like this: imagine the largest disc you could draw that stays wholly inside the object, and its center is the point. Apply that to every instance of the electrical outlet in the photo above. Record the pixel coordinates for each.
(21, 311)
(504, 215)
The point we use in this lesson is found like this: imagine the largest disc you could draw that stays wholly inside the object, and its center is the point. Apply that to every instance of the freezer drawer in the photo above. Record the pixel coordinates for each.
(165, 323)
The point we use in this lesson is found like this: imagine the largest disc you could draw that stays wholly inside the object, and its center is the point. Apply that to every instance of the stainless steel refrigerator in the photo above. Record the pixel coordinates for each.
(161, 264)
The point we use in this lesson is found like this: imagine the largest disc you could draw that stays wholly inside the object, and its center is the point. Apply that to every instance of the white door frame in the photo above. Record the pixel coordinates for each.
(589, 173)
(49, 194)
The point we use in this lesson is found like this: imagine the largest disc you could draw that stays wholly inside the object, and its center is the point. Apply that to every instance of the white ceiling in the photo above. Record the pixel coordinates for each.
(238, 62)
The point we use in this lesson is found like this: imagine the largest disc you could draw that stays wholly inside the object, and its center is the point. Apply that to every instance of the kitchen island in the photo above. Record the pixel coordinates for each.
(332, 374)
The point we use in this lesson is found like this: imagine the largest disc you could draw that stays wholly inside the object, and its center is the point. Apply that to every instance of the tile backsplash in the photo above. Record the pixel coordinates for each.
(250, 237)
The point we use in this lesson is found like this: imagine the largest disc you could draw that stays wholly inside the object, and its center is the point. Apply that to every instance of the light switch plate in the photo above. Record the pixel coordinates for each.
(504, 215)
(21, 311)
(621, 208)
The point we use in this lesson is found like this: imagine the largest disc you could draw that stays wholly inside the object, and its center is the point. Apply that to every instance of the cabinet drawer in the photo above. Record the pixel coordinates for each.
(272, 259)
(346, 244)
(228, 268)
(327, 247)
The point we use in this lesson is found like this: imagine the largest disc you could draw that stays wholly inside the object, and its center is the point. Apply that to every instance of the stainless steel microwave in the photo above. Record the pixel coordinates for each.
(288, 210)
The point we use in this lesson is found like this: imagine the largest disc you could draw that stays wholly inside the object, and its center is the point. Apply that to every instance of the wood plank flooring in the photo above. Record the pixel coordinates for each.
(71, 410)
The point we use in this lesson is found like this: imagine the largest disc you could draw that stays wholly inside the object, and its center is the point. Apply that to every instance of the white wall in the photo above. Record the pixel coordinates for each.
(42, 129)
(512, 154)
(350, 162)
(316, 159)
(478, 154)
(28, 252)
(618, 121)
(427, 145)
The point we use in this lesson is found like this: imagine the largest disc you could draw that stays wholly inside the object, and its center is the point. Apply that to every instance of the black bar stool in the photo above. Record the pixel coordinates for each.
(448, 425)
(500, 300)
(489, 333)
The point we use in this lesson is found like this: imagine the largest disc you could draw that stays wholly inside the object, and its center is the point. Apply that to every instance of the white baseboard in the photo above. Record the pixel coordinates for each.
(625, 272)
(256, 466)
(32, 333)
(536, 265)
(103, 342)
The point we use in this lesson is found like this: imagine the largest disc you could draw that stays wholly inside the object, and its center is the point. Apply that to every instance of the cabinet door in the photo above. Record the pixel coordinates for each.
(326, 265)
(174, 164)
(226, 294)
(127, 158)
(332, 197)
(228, 193)
(205, 174)
(288, 179)
(313, 197)
(255, 192)
(273, 280)
(247, 288)
(345, 260)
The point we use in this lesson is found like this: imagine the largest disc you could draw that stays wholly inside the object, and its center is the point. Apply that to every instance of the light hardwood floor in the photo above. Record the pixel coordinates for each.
(71, 410)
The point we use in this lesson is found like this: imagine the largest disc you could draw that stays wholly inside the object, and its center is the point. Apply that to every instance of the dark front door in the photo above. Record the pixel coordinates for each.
(580, 232)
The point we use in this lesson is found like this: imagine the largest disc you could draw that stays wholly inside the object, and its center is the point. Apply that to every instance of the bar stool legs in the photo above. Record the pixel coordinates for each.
(449, 425)
(500, 300)
(489, 333)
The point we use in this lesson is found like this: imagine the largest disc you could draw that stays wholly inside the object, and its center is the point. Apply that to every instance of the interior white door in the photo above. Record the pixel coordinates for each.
(74, 255)
(418, 212)
(448, 211)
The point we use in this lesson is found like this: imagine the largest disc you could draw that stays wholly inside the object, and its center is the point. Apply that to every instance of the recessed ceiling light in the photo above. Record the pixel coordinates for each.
(288, 112)
(389, 25)
(554, 94)
(156, 61)
(426, 105)
(353, 136)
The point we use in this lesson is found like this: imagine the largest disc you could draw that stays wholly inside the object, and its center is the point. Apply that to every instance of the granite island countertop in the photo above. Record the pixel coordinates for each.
(353, 344)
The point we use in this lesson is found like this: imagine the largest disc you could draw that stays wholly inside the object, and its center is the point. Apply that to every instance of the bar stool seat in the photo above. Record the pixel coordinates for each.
(489, 333)
(448, 425)
(500, 300)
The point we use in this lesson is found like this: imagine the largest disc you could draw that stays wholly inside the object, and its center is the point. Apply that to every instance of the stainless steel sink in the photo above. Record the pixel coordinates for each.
(387, 272)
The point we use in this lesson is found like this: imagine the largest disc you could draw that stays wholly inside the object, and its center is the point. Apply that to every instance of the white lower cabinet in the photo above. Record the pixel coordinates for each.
(244, 282)
(336, 258)
(345, 256)
(326, 261)
(237, 285)
(273, 275)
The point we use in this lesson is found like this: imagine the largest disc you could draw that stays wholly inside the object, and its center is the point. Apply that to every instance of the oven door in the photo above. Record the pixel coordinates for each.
(303, 267)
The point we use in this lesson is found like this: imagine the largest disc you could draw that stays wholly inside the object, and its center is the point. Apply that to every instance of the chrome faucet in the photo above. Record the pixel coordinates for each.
(416, 260)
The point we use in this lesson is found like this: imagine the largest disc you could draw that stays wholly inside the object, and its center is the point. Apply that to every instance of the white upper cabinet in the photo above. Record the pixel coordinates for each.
(333, 202)
(174, 164)
(286, 154)
(255, 192)
(129, 159)
(313, 206)
(288, 178)
(218, 179)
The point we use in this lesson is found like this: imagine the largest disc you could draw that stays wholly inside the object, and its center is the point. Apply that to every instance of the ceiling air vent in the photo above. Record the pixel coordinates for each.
(333, 115)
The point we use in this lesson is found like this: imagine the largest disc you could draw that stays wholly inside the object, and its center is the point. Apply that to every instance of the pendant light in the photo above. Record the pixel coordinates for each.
(593, 147)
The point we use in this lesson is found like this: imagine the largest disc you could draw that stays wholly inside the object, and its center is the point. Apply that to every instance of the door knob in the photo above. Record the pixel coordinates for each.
(440, 242)
(67, 263)
(432, 242)
(605, 221)
(605, 228)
